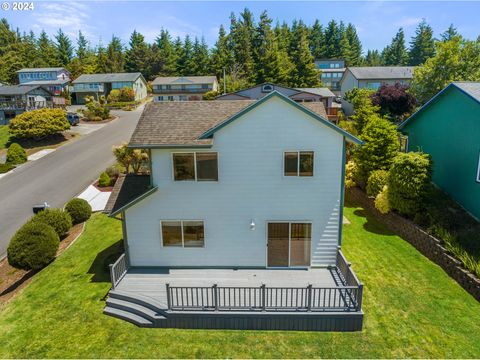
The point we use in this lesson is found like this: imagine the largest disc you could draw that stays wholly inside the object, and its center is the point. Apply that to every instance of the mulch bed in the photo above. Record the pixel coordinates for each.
(85, 121)
(105, 188)
(12, 280)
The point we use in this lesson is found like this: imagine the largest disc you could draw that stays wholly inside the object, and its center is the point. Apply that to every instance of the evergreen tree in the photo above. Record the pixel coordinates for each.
(200, 57)
(396, 53)
(345, 50)
(136, 56)
(422, 46)
(331, 40)
(450, 33)
(47, 52)
(283, 35)
(188, 65)
(64, 48)
(305, 73)
(166, 54)
(82, 46)
(179, 55)
(317, 41)
(241, 34)
(115, 57)
(222, 57)
(373, 58)
(355, 46)
(101, 66)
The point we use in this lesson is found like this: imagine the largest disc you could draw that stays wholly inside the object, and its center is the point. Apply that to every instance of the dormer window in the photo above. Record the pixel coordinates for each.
(267, 88)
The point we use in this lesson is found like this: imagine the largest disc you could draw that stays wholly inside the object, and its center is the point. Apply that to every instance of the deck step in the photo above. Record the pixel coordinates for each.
(146, 302)
(127, 316)
(134, 308)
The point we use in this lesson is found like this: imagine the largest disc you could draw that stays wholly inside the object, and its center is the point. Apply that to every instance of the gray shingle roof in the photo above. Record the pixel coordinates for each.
(184, 80)
(106, 78)
(471, 88)
(325, 92)
(17, 89)
(40, 69)
(46, 82)
(382, 72)
(181, 123)
(127, 189)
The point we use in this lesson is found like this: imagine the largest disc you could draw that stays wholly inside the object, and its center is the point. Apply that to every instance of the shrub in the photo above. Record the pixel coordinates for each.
(376, 181)
(126, 94)
(210, 95)
(409, 182)
(112, 171)
(95, 111)
(79, 209)
(33, 246)
(16, 154)
(104, 180)
(130, 159)
(58, 219)
(381, 147)
(350, 173)
(39, 123)
(381, 201)
(394, 100)
(6, 168)
(113, 96)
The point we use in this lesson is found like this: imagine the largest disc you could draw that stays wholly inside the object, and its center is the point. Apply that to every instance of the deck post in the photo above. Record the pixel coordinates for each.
(359, 297)
(215, 296)
(112, 277)
(263, 295)
(309, 298)
(169, 304)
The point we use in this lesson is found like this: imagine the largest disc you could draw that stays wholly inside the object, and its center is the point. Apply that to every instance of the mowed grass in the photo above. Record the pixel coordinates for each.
(412, 309)
(4, 136)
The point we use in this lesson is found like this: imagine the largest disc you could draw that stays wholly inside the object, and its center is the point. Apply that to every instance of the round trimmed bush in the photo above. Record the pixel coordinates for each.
(16, 154)
(376, 181)
(33, 246)
(79, 209)
(59, 220)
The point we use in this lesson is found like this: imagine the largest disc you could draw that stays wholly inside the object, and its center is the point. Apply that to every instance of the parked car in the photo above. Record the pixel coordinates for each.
(73, 118)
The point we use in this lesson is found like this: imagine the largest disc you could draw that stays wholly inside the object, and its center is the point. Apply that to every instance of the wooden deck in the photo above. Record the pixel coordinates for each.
(141, 298)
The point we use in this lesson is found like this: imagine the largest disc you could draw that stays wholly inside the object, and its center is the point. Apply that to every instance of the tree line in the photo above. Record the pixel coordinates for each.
(250, 51)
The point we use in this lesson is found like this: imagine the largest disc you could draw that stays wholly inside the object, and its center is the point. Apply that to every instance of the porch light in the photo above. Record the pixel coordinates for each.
(252, 225)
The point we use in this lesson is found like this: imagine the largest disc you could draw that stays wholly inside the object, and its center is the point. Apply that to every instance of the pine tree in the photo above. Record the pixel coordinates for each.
(64, 48)
(136, 56)
(115, 58)
(355, 53)
(305, 73)
(450, 33)
(82, 46)
(373, 58)
(422, 46)
(396, 53)
(241, 33)
(167, 56)
(283, 35)
(345, 50)
(47, 52)
(101, 66)
(187, 61)
(317, 41)
(200, 57)
(331, 40)
(222, 57)
(179, 55)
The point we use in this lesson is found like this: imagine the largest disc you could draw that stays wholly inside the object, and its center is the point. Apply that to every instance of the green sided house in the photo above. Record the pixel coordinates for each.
(448, 128)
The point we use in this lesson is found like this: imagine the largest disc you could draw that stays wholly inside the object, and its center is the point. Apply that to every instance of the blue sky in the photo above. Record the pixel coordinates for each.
(376, 21)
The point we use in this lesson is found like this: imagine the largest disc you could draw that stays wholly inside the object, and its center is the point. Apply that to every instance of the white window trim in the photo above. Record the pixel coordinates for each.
(298, 164)
(478, 169)
(183, 240)
(289, 222)
(194, 165)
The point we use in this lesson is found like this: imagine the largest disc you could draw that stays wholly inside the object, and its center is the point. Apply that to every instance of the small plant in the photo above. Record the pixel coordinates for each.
(113, 171)
(16, 154)
(104, 180)
(381, 201)
(350, 173)
(33, 246)
(6, 168)
(79, 209)
(376, 181)
(58, 219)
(95, 111)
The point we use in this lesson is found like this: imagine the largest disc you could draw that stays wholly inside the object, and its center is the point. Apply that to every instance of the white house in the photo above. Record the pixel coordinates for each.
(234, 185)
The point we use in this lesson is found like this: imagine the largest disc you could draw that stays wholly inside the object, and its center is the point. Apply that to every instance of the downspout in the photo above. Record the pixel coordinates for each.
(342, 193)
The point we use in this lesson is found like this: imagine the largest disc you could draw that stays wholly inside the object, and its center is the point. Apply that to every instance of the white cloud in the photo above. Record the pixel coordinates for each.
(408, 21)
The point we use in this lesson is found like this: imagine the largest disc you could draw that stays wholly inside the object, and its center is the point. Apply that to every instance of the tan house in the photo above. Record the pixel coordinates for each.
(183, 88)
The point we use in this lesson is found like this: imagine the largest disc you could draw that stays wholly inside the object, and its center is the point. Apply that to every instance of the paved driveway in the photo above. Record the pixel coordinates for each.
(61, 175)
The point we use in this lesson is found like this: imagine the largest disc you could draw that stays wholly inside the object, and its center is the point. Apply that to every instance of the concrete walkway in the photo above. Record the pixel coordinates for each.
(96, 198)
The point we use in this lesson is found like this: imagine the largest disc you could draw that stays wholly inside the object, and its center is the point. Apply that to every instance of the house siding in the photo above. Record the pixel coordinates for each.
(251, 186)
(449, 131)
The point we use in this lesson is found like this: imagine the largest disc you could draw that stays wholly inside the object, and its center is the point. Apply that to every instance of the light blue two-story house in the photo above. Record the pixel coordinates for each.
(97, 85)
(55, 80)
(239, 224)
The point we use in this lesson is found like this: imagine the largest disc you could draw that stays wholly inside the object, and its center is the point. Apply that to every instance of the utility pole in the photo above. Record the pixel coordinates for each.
(224, 82)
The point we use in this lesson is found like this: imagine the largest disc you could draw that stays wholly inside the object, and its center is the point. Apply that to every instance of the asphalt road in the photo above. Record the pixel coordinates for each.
(61, 175)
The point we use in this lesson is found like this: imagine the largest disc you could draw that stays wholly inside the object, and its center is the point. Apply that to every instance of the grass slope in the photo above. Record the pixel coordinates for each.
(413, 309)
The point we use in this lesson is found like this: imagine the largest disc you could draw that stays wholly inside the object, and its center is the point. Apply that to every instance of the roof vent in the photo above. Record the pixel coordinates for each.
(267, 88)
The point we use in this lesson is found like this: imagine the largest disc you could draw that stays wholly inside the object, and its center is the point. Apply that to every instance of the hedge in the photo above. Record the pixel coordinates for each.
(39, 123)
(79, 209)
(59, 220)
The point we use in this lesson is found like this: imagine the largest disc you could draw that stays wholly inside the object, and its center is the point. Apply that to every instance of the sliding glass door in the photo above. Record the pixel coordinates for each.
(289, 244)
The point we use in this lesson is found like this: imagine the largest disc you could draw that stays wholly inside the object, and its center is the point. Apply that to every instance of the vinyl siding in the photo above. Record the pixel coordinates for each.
(251, 186)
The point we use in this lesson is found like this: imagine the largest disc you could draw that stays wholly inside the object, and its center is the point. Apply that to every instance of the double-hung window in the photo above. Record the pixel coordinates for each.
(199, 166)
(298, 163)
(183, 233)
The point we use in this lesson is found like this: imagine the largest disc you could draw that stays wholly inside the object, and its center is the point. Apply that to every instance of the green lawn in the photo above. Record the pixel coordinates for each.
(412, 309)
(4, 136)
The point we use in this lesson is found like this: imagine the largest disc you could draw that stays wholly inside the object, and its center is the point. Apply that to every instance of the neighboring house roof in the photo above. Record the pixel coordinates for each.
(325, 92)
(46, 82)
(192, 123)
(41, 69)
(18, 89)
(128, 190)
(382, 72)
(106, 78)
(471, 89)
(184, 80)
